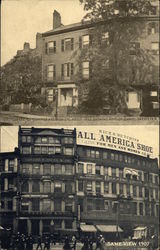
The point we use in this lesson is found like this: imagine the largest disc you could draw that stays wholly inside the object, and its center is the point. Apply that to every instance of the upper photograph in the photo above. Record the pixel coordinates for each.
(79, 61)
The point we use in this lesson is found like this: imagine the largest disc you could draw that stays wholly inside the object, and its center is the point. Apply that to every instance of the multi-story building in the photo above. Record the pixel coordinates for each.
(61, 47)
(68, 184)
(8, 188)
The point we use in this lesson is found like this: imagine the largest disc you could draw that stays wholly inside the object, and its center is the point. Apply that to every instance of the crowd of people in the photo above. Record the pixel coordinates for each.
(28, 242)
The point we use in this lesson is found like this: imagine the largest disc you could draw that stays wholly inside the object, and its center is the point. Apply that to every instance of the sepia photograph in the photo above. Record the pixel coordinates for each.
(93, 187)
(79, 60)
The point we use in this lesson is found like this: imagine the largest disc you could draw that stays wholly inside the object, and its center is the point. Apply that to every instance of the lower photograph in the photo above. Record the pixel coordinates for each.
(82, 187)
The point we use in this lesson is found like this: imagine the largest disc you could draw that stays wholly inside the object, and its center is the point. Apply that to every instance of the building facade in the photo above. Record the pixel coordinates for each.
(61, 47)
(55, 183)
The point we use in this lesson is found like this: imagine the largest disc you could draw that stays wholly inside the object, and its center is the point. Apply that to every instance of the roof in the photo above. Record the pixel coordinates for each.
(88, 228)
(109, 228)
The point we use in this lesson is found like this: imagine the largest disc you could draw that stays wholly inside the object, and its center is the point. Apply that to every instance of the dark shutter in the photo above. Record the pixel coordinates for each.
(54, 46)
(72, 69)
(80, 42)
(72, 44)
(62, 45)
(90, 39)
(62, 70)
(68, 73)
(46, 48)
(90, 70)
(54, 71)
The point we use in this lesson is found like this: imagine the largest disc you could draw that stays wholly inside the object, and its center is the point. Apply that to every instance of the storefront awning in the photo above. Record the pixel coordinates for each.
(88, 228)
(140, 228)
(1, 228)
(109, 228)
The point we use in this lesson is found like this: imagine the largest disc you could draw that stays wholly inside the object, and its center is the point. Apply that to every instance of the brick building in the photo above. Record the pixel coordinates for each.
(54, 182)
(62, 45)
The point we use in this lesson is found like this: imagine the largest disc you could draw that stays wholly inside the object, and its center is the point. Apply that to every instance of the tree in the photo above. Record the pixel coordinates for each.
(117, 61)
(21, 78)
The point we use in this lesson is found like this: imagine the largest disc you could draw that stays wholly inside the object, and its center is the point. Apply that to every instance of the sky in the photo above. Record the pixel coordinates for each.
(22, 19)
(147, 135)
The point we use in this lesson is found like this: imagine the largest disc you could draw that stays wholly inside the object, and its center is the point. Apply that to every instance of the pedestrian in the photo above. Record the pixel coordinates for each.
(46, 243)
(39, 242)
(29, 243)
(90, 243)
(66, 244)
(98, 244)
(86, 243)
(74, 241)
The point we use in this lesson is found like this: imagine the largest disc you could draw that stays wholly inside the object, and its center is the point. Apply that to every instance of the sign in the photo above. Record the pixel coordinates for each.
(116, 141)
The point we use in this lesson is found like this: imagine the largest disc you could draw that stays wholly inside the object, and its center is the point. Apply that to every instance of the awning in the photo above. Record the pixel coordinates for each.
(88, 228)
(109, 228)
(1, 228)
(140, 228)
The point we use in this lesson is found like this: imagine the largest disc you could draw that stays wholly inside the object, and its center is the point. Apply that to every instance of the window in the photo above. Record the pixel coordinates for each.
(85, 70)
(26, 168)
(53, 140)
(113, 187)
(26, 150)
(134, 206)
(80, 168)
(69, 169)
(44, 140)
(44, 150)
(155, 48)
(68, 205)
(47, 186)
(57, 205)
(98, 170)
(51, 150)
(57, 186)
(67, 44)
(156, 179)
(121, 157)
(105, 37)
(38, 139)
(57, 224)
(141, 208)
(26, 139)
(2, 204)
(36, 169)
(105, 155)
(67, 70)
(134, 190)
(121, 188)
(47, 169)
(35, 186)
(112, 156)
(51, 72)
(68, 140)
(10, 205)
(46, 205)
(113, 172)
(89, 168)
(80, 186)
(68, 187)
(25, 187)
(140, 191)
(99, 204)
(106, 187)
(35, 204)
(57, 169)
(89, 186)
(134, 47)
(152, 28)
(153, 93)
(68, 151)
(153, 10)
(68, 224)
(133, 100)
(98, 187)
(37, 150)
(24, 205)
(57, 150)
(106, 205)
(85, 40)
(52, 47)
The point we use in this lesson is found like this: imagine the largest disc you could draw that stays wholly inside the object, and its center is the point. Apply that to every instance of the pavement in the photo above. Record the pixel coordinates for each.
(15, 118)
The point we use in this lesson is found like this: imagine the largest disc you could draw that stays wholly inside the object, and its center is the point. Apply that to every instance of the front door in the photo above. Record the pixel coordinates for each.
(133, 100)
(66, 97)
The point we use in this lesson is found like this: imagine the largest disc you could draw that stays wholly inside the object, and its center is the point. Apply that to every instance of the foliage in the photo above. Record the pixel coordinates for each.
(21, 78)
(117, 65)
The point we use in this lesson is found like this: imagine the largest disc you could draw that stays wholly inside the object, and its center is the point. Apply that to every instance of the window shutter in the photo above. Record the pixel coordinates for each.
(90, 39)
(80, 42)
(54, 72)
(90, 69)
(46, 48)
(72, 68)
(68, 73)
(54, 46)
(62, 69)
(72, 44)
(62, 45)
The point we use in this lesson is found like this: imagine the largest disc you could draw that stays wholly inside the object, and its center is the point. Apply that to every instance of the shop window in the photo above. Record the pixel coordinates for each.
(57, 169)
(57, 186)
(47, 169)
(46, 206)
(80, 168)
(47, 186)
(35, 186)
(35, 204)
(36, 169)
(68, 169)
(57, 205)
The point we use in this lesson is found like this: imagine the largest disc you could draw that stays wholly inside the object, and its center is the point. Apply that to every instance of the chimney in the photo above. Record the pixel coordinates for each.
(56, 19)
(26, 47)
